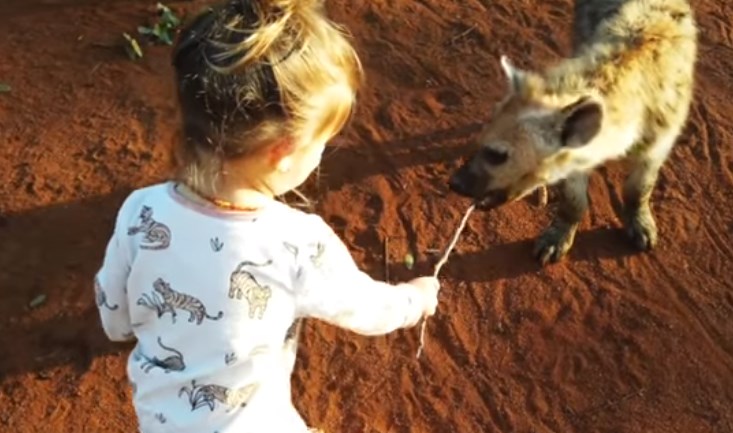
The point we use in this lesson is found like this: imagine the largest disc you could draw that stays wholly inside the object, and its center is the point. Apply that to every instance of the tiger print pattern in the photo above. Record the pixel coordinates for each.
(157, 236)
(166, 300)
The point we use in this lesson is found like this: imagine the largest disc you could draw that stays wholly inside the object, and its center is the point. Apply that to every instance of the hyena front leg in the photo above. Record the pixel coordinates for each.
(637, 214)
(557, 240)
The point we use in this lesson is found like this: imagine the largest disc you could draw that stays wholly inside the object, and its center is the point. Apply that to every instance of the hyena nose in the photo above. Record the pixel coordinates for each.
(457, 184)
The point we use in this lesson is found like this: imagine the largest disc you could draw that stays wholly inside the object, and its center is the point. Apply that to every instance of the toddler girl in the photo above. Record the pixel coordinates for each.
(209, 273)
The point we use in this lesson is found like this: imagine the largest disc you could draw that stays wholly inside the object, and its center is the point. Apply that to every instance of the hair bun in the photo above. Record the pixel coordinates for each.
(267, 30)
(286, 6)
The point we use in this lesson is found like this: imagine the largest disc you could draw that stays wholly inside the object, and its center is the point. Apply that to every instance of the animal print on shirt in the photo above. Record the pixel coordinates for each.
(230, 358)
(101, 296)
(211, 395)
(216, 244)
(157, 235)
(128, 269)
(243, 284)
(317, 258)
(292, 249)
(293, 331)
(161, 418)
(169, 301)
(292, 336)
(171, 363)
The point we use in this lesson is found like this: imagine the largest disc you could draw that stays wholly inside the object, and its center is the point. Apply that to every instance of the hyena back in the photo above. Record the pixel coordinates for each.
(626, 92)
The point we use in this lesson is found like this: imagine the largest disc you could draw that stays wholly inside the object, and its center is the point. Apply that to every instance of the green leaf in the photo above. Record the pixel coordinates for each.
(157, 30)
(409, 261)
(167, 16)
(166, 38)
(132, 47)
(37, 301)
(5, 88)
(171, 20)
(145, 30)
(162, 34)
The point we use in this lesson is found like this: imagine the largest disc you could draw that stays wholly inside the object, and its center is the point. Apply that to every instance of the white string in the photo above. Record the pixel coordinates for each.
(439, 265)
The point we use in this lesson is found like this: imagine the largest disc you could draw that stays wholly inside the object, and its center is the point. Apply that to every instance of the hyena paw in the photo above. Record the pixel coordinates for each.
(642, 230)
(554, 243)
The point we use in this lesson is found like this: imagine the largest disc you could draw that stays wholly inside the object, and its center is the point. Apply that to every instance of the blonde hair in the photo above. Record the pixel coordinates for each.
(254, 71)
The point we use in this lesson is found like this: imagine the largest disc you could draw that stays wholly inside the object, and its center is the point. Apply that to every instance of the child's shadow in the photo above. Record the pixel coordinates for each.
(48, 257)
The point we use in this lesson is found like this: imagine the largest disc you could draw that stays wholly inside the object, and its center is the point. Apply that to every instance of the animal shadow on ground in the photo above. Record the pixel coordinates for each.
(48, 256)
(339, 163)
(513, 259)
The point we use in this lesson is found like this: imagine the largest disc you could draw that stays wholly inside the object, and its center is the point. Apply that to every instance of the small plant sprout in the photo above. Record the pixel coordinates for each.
(37, 301)
(409, 261)
(132, 47)
(163, 30)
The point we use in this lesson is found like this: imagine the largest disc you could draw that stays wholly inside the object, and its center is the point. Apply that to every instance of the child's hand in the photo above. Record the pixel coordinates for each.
(428, 288)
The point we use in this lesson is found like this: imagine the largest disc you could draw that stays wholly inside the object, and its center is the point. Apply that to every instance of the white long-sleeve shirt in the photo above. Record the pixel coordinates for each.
(213, 298)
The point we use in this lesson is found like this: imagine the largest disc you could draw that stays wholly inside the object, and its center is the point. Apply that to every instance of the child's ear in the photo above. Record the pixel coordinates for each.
(280, 154)
(284, 165)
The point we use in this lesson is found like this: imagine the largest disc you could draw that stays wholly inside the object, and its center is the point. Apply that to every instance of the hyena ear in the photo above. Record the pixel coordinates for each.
(581, 122)
(514, 75)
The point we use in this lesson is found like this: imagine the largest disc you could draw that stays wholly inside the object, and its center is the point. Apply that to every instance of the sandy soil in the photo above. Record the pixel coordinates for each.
(607, 341)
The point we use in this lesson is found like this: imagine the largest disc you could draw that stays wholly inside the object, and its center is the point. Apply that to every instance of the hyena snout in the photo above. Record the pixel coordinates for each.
(468, 182)
(465, 182)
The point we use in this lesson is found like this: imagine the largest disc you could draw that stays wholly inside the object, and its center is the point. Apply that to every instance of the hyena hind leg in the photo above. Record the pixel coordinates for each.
(557, 239)
(638, 187)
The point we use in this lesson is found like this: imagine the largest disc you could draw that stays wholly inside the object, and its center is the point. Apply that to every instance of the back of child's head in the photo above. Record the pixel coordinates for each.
(252, 72)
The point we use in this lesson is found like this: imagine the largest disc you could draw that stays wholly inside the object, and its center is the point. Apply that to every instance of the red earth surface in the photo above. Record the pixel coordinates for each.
(606, 341)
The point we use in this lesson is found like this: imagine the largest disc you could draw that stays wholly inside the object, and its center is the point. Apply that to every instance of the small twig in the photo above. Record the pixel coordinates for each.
(443, 260)
(104, 45)
(609, 403)
(386, 259)
(461, 35)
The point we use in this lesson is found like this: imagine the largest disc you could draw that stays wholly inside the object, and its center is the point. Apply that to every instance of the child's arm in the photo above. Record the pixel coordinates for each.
(110, 286)
(330, 287)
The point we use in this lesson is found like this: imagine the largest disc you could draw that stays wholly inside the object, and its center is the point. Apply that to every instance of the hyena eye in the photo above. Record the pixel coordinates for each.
(494, 157)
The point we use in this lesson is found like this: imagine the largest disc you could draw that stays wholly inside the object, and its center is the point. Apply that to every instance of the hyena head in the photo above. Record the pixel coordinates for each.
(537, 136)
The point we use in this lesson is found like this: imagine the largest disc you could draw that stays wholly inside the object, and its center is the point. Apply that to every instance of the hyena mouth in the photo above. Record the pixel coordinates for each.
(491, 200)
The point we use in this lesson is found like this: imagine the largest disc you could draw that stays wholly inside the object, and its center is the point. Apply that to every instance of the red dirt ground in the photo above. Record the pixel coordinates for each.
(607, 341)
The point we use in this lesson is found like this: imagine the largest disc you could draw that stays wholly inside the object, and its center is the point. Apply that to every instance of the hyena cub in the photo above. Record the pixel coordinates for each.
(626, 92)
